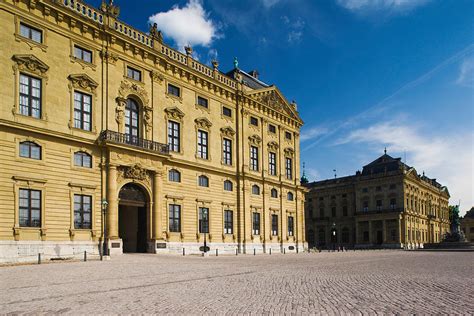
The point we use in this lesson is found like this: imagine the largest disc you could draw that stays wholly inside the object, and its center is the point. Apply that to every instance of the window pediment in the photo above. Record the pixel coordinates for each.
(273, 145)
(289, 151)
(255, 139)
(126, 89)
(228, 131)
(83, 81)
(31, 63)
(174, 113)
(203, 122)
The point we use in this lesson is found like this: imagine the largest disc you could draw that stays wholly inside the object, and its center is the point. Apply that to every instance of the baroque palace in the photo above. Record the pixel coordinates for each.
(386, 205)
(105, 128)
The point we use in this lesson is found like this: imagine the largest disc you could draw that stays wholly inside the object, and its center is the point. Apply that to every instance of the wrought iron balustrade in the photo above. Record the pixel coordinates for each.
(382, 210)
(125, 139)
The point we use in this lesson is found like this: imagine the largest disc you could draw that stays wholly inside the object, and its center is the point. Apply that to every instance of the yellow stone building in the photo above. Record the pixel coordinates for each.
(99, 118)
(386, 205)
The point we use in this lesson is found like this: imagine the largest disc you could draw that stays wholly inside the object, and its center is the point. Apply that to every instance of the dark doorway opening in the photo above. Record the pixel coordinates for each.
(379, 237)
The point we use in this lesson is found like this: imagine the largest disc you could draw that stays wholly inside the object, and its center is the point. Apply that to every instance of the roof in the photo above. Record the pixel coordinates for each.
(247, 79)
(470, 213)
(384, 163)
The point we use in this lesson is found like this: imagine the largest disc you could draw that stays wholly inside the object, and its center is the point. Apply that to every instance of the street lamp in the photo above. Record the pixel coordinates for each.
(333, 229)
(105, 250)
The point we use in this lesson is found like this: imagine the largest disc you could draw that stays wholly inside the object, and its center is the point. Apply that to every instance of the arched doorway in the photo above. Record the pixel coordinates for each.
(133, 218)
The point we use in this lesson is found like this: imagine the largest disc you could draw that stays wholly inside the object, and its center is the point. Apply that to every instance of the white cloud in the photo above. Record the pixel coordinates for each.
(313, 133)
(362, 6)
(466, 73)
(269, 3)
(449, 158)
(189, 25)
(295, 28)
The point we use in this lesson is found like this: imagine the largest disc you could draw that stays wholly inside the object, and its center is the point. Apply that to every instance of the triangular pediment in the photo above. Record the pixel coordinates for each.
(228, 131)
(83, 81)
(274, 99)
(174, 113)
(203, 122)
(31, 63)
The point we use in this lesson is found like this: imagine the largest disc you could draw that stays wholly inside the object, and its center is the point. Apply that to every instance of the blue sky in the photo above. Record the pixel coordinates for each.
(366, 74)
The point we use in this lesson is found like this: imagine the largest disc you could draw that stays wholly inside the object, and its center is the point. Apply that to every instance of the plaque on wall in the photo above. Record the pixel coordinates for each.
(291, 248)
(115, 245)
(161, 245)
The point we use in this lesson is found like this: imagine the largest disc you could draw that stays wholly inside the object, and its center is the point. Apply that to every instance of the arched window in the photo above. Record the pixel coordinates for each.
(274, 193)
(132, 113)
(82, 159)
(290, 196)
(255, 189)
(345, 235)
(228, 186)
(30, 150)
(203, 181)
(174, 175)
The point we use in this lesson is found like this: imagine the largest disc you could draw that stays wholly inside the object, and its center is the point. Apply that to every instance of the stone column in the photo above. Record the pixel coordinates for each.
(157, 206)
(112, 197)
(400, 239)
(384, 231)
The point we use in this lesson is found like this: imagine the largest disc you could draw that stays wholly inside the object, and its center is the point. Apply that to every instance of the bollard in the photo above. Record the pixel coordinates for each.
(184, 252)
(270, 251)
(296, 249)
(254, 251)
(85, 256)
(217, 252)
(39, 258)
(236, 251)
(284, 251)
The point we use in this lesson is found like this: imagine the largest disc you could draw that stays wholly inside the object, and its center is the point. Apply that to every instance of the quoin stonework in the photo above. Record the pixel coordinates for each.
(387, 204)
(99, 118)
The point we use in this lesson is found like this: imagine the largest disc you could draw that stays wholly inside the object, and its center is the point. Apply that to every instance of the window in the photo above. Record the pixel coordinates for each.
(228, 186)
(321, 212)
(378, 205)
(203, 102)
(254, 121)
(365, 190)
(30, 150)
(345, 235)
(82, 110)
(333, 211)
(272, 128)
(226, 111)
(253, 158)
(272, 163)
(175, 218)
(134, 74)
(30, 208)
(290, 226)
(393, 203)
(274, 193)
(288, 135)
(202, 144)
(174, 175)
(173, 90)
(203, 181)
(365, 206)
(274, 225)
(82, 159)
(255, 223)
(31, 33)
(83, 54)
(30, 96)
(227, 151)
(203, 220)
(393, 186)
(365, 236)
(321, 198)
(378, 188)
(82, 211)
(393, 235)
(290, 196)
(344, 210)
(228, 222)
(289, 168)
(255, 189)
(131, 121)
(173, 136)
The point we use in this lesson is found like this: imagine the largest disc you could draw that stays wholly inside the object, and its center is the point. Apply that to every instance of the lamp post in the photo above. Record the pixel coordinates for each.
(105, 250)
(333, 230)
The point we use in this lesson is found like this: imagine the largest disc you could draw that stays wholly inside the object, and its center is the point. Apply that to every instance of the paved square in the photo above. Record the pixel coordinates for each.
(328, 283)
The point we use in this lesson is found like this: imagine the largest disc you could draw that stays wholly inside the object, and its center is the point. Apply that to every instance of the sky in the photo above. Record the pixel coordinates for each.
(366, 74)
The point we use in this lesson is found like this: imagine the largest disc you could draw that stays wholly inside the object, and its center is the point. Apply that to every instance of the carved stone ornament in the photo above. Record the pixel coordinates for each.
(110, 57)
(289, 151)
(227, 131)
(174, 113)
(255, 140)
(31, 64)
(83, 81)
(273, 145)
(156, 76)
(120, 110)
(148, 116)
(273, 100)
(127, 88)
(203, 122)
(136, 172)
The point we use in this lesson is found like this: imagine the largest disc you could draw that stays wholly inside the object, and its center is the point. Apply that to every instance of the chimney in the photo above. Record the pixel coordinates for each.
(254, 73)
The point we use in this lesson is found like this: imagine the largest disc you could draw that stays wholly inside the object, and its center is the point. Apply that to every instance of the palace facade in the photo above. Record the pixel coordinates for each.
(106, 128)
(467, 225)
(386, 205)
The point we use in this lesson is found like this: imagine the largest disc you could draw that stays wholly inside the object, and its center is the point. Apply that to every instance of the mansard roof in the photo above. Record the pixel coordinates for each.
(247, 79)
(384, 163)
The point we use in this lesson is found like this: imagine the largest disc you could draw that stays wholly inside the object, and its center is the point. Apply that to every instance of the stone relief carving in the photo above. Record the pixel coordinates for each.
(174, 113)
(227, 131)
(203, 122)
(289, 151)
(255, 140)
(83, 81)
(135, 172)
(156, 76)
(31, 63)
(273, 145)
(110, 57)
(127, 88)
(120, 110)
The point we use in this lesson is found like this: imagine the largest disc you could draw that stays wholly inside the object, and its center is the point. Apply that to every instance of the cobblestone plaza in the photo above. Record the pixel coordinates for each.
(327, 283)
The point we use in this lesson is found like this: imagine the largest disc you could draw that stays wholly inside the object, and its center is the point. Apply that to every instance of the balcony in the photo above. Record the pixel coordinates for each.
(124, 139)
(380, 211)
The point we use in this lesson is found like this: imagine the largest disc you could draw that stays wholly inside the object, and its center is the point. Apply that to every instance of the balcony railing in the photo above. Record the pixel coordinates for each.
(125, 139)
(383, 210)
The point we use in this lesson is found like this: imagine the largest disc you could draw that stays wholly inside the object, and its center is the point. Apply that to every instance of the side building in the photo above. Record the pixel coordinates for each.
(106, 128)
(467, 225)
(387, 205)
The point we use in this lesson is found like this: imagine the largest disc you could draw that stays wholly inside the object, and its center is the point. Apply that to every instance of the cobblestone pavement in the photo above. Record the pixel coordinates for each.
(366, 282)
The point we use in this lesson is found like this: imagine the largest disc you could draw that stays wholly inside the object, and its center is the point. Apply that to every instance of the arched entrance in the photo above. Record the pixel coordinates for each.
(133, 203)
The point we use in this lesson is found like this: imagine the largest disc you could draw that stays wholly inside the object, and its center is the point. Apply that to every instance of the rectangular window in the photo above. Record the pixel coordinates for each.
(272, 128)
(82, 211)
(203, 102)
(365, 190)
(173, 136)
(274, 225)
(333, 211)
(378, 205)
(254, 121)
(30, 96)
(321, 212)
(288, 135)
(175, 218)
(256, 223)
(289, 168)
(393, 203)
(134, 74)
(226, 111)
(272, 164)
(365, 206)
(344, 210)
(203, 220)
(228, 222)
(30, 208)
(82, 110)
(174, 90)
(253, 158)
(227, 151)
(83, 54)
(31, 33)
(202, 145)
(290, 226)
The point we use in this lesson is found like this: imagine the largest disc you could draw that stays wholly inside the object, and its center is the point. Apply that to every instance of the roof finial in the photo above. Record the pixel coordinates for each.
(236, 63)
(385, 151)
(304, 180)
(335, 175)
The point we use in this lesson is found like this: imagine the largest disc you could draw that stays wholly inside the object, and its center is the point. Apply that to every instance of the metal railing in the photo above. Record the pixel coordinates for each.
(125, 139)
(382, 210)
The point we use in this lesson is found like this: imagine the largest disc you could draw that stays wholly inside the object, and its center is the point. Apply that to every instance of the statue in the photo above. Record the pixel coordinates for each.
(155, 33)
(456, 235)
(236, 63)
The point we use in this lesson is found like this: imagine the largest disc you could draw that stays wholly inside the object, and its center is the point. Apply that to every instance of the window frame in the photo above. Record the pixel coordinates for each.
(30, 33)
(288, 135)
(200, 183)
(82, 211)
(171, 90)
(228, 184)
(275, 196)
(291, 226)
(274, 224)
(224, 108)
(254, 158)
(30, 143)
(290, 196)
(255, 189)
(256, 223)
(174, 175)
(228, 222)
(203, 224)
(289, 168)
(227, 151)
(29, 108)
(199, 102)
(29, 208)
(253, 121)
(202, 144)
(272, 164)
(81, 154)
(272, 128)
(174, 143)
(174, 222)
(82, 112)
(77, 48)
(131, 73)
